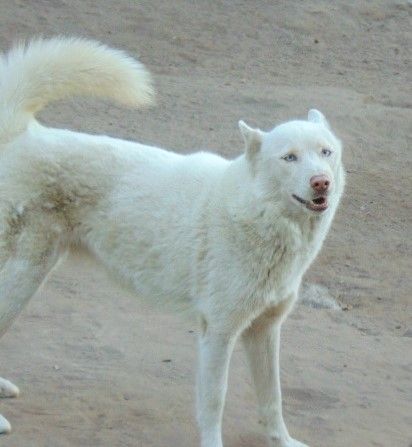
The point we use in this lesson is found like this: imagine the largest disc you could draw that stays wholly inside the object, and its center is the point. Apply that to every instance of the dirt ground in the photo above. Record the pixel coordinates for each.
(97, 368)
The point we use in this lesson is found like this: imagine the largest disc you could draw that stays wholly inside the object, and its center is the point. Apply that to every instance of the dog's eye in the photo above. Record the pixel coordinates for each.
(290, 157)
(326, 152)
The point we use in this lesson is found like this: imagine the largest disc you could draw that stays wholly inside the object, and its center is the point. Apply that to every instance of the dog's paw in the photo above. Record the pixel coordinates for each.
(294, 443)
(5, 426)
(8, 389)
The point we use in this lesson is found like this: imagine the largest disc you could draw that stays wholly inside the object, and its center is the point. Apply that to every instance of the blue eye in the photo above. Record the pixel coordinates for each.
(290, 157)
(326, 152)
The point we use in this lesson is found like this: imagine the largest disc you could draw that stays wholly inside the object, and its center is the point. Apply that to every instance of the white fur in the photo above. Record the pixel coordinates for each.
(5, 426)
(7, 389)
(222, 238)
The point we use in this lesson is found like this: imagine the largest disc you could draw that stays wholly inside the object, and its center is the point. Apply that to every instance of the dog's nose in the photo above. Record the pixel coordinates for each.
(320, 183)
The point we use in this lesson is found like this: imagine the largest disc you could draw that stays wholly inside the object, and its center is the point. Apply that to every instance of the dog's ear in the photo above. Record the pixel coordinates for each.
(252, 138)
(317, 117)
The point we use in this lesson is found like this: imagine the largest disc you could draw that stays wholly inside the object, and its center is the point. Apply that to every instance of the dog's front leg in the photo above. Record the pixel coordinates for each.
(261, 341)
(215, 349)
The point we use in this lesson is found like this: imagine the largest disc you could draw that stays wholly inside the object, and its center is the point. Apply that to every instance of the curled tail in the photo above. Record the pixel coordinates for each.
(43, 71)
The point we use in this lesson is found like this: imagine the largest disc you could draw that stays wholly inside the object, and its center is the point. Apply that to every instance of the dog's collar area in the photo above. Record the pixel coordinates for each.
(317, 204)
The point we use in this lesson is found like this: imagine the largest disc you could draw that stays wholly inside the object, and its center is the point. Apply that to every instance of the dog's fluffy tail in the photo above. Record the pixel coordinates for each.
(34, 74)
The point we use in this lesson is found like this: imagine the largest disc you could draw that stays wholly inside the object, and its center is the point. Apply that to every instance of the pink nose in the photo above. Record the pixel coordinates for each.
(320, 183)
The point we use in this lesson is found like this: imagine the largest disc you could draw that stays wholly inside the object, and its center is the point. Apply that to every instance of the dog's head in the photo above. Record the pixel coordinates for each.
(298, 164)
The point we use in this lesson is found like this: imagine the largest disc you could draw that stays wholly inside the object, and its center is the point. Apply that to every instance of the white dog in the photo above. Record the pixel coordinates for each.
(228, 239)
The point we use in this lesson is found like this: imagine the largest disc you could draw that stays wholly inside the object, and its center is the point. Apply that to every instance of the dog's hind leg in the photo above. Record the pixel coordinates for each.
(24, 263)
(8, 389)
(5, 426)
(28, 251)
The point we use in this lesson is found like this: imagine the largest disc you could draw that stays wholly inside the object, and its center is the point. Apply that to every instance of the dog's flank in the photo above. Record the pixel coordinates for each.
(226, 239)
(34, 74)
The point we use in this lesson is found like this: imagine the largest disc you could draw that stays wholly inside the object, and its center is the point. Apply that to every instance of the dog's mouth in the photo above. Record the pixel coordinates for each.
(318, 204)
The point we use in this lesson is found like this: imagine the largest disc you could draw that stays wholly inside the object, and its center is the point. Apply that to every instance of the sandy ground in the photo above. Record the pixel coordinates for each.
(95, 367)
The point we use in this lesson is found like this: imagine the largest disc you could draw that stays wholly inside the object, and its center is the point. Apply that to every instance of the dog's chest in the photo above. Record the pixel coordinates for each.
(276, 267)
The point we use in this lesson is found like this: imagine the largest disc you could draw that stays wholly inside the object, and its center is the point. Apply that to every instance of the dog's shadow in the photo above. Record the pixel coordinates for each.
(247, 440)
